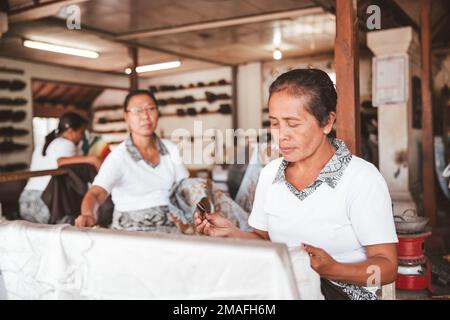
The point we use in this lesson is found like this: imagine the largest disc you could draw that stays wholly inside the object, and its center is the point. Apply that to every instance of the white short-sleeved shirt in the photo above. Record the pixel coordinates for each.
(346, 208)
(133, 183)
(58, 148)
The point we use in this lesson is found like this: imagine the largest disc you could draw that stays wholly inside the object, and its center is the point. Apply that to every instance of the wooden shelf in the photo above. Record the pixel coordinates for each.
(192, 116)
(192, 88)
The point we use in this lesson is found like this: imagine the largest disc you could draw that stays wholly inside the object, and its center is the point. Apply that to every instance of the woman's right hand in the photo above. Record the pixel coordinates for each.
(214, 225)
(85, 220)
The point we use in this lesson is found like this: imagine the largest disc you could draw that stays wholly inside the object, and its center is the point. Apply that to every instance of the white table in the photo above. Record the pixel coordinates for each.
(40, 261)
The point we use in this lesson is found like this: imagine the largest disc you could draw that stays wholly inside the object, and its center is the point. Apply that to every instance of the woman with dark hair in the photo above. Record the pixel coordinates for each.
(138, 174)
(60, 148)
(319, 196)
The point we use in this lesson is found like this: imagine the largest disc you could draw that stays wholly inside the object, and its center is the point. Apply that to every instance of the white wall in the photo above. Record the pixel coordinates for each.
(206, 124)
(168, 124)
(249, 95)
(110, 97)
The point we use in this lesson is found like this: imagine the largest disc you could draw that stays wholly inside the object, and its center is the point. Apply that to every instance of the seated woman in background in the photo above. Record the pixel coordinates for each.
(138, 174)
(60, 148)
(318, 195)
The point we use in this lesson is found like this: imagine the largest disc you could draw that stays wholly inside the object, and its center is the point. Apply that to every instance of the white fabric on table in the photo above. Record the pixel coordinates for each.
(62, 262)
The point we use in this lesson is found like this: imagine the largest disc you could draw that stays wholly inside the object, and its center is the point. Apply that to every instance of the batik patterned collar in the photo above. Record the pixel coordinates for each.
(136, 155)
(330, 174)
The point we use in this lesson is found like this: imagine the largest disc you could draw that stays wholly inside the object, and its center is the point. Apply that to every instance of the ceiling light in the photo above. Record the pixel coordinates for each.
(277, 55)
(60, 49)
(128, 70)
(158, 66)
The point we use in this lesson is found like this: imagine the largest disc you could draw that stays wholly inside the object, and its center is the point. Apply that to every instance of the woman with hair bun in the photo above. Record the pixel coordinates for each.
(59, 148)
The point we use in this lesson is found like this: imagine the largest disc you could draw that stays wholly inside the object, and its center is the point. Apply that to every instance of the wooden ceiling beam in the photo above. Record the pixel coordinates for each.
(219, 23)
(389, 8)
(39, 10)
(109, 36)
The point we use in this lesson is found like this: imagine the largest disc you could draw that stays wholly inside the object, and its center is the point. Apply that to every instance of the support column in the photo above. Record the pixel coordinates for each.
(3, 17)
(134, 80)
(398, 138)
(429, 194)
(346, 60)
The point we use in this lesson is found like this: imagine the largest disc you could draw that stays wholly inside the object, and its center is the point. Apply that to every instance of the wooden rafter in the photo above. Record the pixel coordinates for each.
(38, 10)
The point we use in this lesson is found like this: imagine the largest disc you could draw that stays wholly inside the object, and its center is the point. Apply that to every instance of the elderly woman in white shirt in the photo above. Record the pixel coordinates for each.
(138, 174)
(318, 195)
(60, 148)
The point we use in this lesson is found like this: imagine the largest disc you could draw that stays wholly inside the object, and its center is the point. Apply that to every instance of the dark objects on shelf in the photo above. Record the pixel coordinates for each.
(191, 111)
(4, 84)
(181, 112)
(12, 132)
(104, 120)
(13, 102)
(224, 108)
(166, 88)
(161, 102)
(211, 97)
(13, 167)
(18, 116)
(17, 85)
(8, 146)
(110, 131)
(9, 115)
(12, 85)
(182, 100)
(108, 108)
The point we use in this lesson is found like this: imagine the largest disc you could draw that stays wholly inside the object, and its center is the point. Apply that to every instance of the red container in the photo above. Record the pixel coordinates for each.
(407, 282)
(411, 246)
(414, 282)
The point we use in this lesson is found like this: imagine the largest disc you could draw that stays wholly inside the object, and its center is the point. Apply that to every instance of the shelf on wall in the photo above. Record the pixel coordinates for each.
(191, 88)
(188, 115)
(11, 70)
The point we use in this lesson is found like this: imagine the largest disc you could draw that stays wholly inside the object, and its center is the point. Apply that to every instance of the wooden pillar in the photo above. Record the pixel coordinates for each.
(429, 194)
(346, 60)
(134, 79)
(234, 80)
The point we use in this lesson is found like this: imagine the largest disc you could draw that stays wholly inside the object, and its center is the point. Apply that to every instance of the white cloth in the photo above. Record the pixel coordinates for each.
(62, 262)
(135, 185)
(58, 148)
(356, 213)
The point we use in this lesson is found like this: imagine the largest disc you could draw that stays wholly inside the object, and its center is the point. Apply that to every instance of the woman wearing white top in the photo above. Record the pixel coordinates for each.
(60, 148)
(318, 195)
(138, 174)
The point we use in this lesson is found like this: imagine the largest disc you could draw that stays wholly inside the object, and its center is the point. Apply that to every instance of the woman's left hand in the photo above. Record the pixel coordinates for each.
(321, 261)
